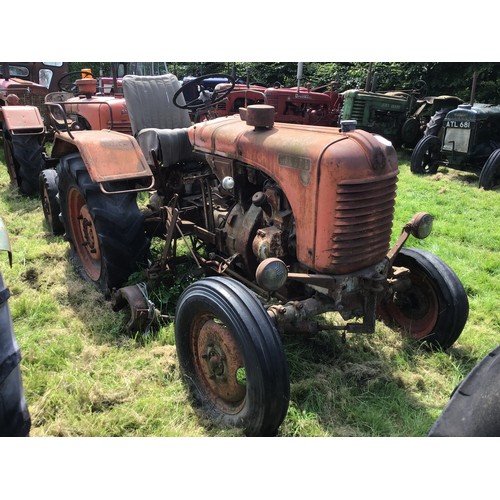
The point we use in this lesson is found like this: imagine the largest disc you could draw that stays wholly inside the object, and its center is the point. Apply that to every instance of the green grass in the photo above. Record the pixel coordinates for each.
(83, 376)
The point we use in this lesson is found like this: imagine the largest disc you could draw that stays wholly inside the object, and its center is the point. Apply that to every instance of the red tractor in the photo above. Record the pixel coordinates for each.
(279, 222)
(292, 105)
(30, 122)
(305, 105)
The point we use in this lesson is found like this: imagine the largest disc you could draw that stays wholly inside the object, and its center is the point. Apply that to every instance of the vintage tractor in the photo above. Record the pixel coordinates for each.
(29, 125)
(279, 223)
(223, 96)
(469, 140)
(305, 105)
(400, 116)
(217, 94)
(22, 129)
(45, 74)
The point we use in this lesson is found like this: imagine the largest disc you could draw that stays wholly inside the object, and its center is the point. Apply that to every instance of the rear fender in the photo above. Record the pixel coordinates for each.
(22, 120)
(109, 156)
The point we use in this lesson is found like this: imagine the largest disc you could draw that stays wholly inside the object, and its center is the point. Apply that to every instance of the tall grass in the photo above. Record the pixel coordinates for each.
(83, 376)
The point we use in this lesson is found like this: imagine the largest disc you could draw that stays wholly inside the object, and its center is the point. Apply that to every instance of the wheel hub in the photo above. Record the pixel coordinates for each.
(84, 233)
(219, 363)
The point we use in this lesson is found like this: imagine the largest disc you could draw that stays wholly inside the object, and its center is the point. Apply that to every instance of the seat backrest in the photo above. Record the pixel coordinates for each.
(150, 102)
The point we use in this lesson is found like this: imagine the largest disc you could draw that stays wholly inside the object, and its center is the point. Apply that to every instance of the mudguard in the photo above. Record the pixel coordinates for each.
(474, 407)
(108, 155)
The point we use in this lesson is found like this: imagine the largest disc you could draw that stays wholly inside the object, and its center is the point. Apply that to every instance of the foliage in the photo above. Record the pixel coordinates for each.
(450, 78)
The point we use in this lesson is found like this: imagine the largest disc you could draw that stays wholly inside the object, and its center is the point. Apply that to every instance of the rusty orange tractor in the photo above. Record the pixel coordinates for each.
(29, 123)
(281, 223)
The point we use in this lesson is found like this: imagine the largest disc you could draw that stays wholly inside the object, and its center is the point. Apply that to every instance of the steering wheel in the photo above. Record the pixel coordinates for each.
(65, 86)
(205, 98)
(420, 88)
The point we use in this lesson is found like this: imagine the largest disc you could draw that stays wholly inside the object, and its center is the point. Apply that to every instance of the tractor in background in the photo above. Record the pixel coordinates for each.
(399, 116)
(268, 225)
(466, 138)
(468, 141)
(302, 104)
(33, 115)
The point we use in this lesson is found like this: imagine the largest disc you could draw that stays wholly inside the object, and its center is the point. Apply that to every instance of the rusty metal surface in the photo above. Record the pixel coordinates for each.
(108, 155)
(22, 119)
(326, 175)
(218, 360)
(139, 307)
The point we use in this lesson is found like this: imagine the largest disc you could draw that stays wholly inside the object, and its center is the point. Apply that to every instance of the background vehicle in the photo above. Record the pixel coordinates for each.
(400, 116)
(300, 104)
(469, 141)
(305, 105)
(46, 74)
(238, 202)
(28, 126)
(15, 419)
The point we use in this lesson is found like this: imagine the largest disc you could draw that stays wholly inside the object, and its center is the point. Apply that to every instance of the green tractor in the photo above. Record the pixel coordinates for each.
(469, 140)
(400, 116)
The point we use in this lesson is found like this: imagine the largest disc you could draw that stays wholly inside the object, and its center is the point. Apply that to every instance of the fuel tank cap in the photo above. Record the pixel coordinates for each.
(260, 116)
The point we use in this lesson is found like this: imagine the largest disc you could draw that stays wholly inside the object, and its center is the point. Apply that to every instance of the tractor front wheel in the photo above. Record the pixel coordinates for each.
(435, 307)
(231, 357)
(425, 156)
(106, 232)
(50, 201)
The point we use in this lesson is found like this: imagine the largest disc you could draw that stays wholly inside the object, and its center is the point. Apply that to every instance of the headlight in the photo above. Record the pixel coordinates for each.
(421, 225)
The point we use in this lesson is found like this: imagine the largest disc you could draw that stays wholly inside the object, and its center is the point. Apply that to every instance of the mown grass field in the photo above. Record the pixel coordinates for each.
(83, 376)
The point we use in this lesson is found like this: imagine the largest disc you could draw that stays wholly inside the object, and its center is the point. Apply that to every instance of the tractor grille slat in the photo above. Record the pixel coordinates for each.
(364, 212)
(357, 111)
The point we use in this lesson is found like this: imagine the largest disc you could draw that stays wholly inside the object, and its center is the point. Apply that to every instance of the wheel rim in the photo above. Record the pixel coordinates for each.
(84, 233)
(218, 363)
(415, 310)
(428, 163)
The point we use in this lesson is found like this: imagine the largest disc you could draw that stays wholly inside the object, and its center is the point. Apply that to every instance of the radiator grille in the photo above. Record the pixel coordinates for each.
(363, 220)
(358, 110)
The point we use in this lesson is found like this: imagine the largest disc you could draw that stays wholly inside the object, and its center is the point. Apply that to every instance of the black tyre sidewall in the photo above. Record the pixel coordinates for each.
(117, 220)
(427, 143)
(49, 182)
(453, 301)
(268, 387)
(490, 170)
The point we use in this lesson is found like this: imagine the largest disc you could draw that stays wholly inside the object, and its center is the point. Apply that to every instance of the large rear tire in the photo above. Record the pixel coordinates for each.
(490, 173)
(425, 156)
(231, 357)
(435, 308)
(106, 232)
(474, 405)
(24, 159)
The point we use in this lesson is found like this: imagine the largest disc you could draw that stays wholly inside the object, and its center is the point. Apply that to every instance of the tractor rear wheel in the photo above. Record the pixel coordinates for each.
(50, 201)
(425, 156)
(231, 357)
(490, 173)
(24, 159)
(435, 308)
(106, 232)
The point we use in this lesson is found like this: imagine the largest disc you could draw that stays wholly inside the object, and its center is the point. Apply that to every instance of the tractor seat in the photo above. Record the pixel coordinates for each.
(157, 124)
